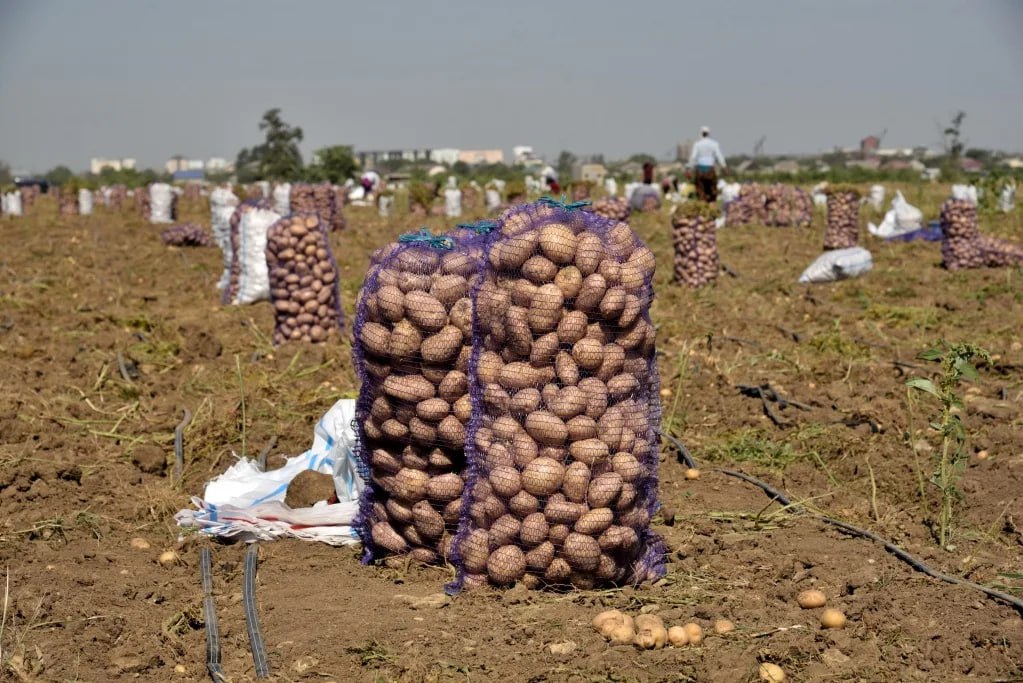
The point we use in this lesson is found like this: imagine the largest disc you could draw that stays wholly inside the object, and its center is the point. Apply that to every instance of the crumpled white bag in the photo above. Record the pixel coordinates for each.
(840, 264)
(282, 198)
(907, 216)
(876, 197)
(247, 503)
(967, 192)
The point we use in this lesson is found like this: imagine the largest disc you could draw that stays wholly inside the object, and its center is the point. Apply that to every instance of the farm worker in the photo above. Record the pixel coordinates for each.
(705, 159)
(648, 173)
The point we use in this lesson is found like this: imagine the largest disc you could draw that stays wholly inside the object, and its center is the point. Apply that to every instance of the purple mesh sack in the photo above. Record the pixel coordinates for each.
(694, 236)
(303, 280)
(843, 229)
(562, 445)
(413, 339)
(230, 292)
(963, 245)
(186, 235)
(748, 207)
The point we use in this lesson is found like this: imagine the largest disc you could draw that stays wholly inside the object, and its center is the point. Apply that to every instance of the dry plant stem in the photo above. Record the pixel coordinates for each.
(3, 619)
(179, 446)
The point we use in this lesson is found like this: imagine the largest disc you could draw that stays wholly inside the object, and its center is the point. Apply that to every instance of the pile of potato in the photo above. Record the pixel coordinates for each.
(963, 245)
(303, 280)
(747, 208)
(413, 340)
(564, 449)
(234, 273)
(337, 223)
(29, 194)
(615, 208)
(694, 235)
(186, 235)
(67, 201)
(116, 196)
(786, 206)
(581, 190)
(843, 228)
(319, 199)
(142, 204)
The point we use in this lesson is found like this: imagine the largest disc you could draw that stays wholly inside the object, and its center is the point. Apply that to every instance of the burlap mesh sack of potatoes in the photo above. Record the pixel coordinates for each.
(843, 227)
(964, 246)
(787, 206)
(748, 207)
(141, 197)
(694, 236)
(614, 208)
(413, 340)
(67, 200)
(562, 445)
(303, 280)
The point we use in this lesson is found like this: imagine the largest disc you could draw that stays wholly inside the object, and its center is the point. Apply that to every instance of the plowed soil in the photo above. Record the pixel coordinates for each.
(86, 453)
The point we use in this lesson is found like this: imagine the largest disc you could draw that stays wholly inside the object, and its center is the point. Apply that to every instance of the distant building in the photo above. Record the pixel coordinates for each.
(97, 165)
(218, 164)
(786, 166)
(444, 155)
(897, 165)
(481, 156)
(869, 145)
(368, 159)
(592, 173)
(1014, 162)
(971, 165)
(871, 164)
(189, 176)
(525, 156)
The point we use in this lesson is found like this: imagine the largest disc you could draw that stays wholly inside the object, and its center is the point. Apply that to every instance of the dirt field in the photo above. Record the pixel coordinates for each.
(84, 470)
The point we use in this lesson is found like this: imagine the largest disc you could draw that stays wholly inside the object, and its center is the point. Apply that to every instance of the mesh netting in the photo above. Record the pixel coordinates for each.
(67, 201)
(562, 444)
(186, 235)
(471, 198)
(614, 208)
(694, 236)
(337, 223)
(234, 270)
(319, 199)
(843, 228)
(142, 203)
(29, 194)
(303, 280)
(749, 206)
(413, 339)
(963, 245)
(116, 196)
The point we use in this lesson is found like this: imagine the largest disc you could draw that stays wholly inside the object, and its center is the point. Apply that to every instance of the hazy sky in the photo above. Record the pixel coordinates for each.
(150, 79)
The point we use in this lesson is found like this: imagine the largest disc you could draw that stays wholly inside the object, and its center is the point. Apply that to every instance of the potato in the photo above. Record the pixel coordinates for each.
(534, 530)
(506, 565)
(594, 522)
(380, 459)
(566, 368)
(425, 311)
(557, 572)
(596, 397)
(543, 349)
(524, 401)
(410, 484)
(581, 552)
(405, 341)
(386, 537)
(504, 530)
(505, 481)
(604, 489)
(569, 403)
(442, 346)
(563, 511)
(428, 522)
(540, 558)
(622, 386)
(545, 308)
(572, 327)
(612, 362)
(589, 451)
(558, 243)
(539, 270)
(546, 428)
(518, 375)
(523, 504)
(524, 448)
(650, 632)
(398, 511)
(588, 353)
(627, 467)
(433, 409)
(581, 427)
(444, 488)
(543, 476)
(618, 538)
(592, 292)
(448, 289)
(589, 253)
(475, 551)
(376, 338)
(613, 303)
(451, 432)
(558, 533)
(570, 281)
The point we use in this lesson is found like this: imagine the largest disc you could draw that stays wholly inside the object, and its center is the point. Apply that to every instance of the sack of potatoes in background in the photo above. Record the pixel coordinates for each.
(750, 206)
(413, 340)
(843, 227)
(614, 208)
(303, 280)
(562, 446)
(787, 206)
(963, 245)
(234, 268)
(694, 236)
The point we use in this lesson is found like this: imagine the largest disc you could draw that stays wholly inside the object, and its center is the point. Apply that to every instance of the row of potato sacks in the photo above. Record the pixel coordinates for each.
(509, 404)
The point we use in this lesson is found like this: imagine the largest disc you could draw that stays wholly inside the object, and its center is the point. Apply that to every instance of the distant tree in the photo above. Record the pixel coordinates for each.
(461, 168)
(5, 173)
(954, 143)
(246, 164)
(981, 155)
(280, 158)
(643, 158)
(566, 161)
(334, 164)
(59, 175)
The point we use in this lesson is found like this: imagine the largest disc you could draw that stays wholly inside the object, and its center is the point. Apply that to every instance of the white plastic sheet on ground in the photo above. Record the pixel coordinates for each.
(840, 264)
(84, 202)
(282, 198)
(246, 503)
(254, 278)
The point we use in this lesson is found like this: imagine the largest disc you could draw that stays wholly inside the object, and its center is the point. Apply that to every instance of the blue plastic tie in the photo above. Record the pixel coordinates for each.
(424, 236)
(482, 227)
(563, 203)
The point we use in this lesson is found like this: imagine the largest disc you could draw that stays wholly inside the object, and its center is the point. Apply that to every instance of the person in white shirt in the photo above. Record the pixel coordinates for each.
(703, 163)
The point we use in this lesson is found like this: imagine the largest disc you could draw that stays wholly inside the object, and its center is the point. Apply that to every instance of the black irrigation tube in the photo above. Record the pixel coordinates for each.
(895, 550)
(210, 616)
(251, 617)
(179, 446)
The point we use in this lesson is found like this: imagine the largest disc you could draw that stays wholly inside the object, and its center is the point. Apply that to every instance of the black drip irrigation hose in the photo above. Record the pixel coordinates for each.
(251, 617)
(210, 616)
(686, 457)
